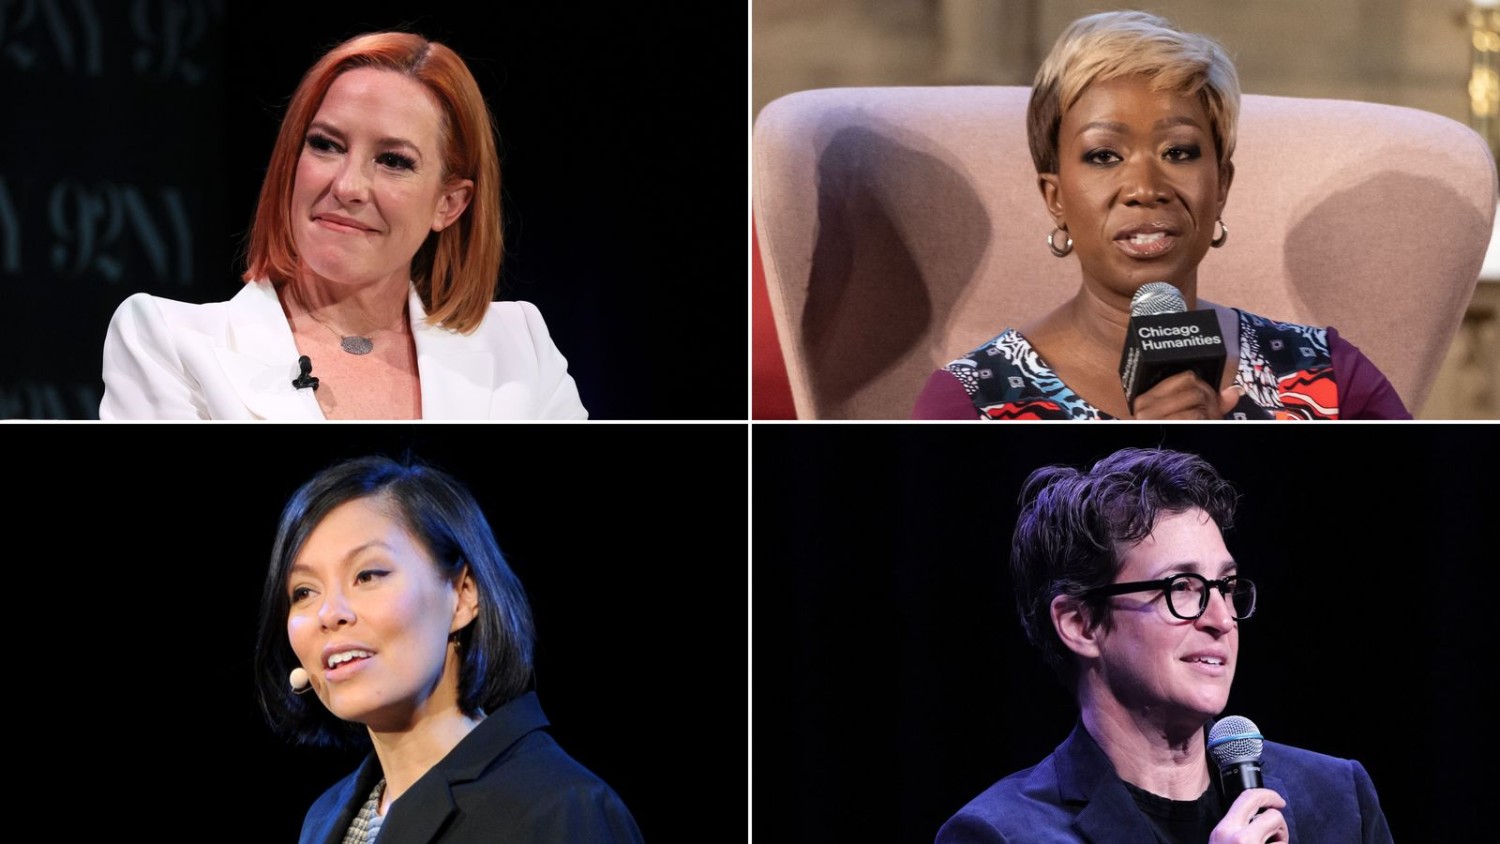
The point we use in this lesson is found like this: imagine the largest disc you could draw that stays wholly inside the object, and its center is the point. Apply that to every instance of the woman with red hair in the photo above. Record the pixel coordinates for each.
(374, 253)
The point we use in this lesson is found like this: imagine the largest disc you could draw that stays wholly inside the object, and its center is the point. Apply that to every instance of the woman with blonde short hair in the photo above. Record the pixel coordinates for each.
(1131, 126)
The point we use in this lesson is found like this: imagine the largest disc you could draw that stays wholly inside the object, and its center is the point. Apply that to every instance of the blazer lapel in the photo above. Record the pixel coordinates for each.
(328, 820)
(423, 811)
(458, 376)
(259, 357)
(1086, 776)
(419, 815)
(1278, 785)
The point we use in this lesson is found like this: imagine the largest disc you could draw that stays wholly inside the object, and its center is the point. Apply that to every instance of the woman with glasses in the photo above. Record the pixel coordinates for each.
(1124, 583)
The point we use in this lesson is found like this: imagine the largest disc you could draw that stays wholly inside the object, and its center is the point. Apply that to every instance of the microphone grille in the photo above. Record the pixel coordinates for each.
(1234, 739)
(1157, 297)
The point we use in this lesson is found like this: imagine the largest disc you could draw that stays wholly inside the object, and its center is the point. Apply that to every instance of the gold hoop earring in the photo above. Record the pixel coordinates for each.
(1052, 244)
(1222, 238)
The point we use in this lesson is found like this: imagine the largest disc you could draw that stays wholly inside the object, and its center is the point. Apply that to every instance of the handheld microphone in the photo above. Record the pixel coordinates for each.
(299, 680)
(1236, 743)
(1165, 338)
(306, 379)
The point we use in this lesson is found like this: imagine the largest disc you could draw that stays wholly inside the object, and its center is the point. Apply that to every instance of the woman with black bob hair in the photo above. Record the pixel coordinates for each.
(388, 598)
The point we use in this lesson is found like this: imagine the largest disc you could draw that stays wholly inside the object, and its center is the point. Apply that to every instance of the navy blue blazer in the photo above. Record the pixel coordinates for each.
(507, 781)
(1074, 795)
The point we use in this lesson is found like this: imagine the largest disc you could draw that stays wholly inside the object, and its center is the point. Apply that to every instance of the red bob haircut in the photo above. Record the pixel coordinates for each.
(455, 271)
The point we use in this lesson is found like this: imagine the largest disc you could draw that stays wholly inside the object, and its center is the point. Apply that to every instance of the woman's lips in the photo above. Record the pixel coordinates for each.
(343, 228)
(1210, 665)
(345, 670)
(1143, 246)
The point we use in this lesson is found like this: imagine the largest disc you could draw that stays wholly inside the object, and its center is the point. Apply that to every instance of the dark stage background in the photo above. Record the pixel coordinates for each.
(136, 134)
(146, 547)
(893, 683)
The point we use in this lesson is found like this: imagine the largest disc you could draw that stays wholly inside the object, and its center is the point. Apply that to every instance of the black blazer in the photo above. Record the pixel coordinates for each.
(506, 781)
(1074, 795)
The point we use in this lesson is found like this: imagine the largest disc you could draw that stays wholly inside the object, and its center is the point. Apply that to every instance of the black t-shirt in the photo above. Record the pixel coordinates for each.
(1181, 821)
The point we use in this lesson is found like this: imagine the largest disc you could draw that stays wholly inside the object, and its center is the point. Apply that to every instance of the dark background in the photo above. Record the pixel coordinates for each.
(138, 131)
(139, 557)
(893, 683)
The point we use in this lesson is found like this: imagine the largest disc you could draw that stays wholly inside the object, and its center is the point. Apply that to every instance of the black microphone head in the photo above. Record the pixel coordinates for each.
(1157, 297)
(1235, 739)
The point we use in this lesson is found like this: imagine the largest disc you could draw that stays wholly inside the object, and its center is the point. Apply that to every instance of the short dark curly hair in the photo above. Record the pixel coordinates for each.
(443, 516)
(1073, 523)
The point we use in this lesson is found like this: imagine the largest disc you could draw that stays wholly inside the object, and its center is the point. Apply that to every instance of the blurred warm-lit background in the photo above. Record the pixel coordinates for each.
(1414, 53)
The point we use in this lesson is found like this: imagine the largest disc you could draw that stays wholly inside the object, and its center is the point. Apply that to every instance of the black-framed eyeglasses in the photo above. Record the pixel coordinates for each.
(1187, 593)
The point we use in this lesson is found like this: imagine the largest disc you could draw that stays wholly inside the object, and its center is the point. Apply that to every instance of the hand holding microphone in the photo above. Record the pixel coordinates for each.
(1255, 813)
(1173, 358)
(1185, 396)
(1254, 818)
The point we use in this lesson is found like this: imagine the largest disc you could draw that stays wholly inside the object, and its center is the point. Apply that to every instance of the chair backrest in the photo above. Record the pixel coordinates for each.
(902, 227)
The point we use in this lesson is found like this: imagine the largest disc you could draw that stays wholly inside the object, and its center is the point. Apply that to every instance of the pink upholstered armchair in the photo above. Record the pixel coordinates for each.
(902, 227)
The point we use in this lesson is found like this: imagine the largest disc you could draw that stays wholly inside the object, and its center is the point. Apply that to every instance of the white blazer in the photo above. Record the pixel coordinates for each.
(236, 360)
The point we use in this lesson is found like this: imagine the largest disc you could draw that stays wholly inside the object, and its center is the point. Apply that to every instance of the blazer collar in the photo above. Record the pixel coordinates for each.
(328, 825)
(1087, 778)
(1278, 785)
(259, 358)
(426, 807)
(457, 373)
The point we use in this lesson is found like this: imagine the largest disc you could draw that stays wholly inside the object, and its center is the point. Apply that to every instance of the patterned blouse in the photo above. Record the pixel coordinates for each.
(1285, 372)
(366, 825)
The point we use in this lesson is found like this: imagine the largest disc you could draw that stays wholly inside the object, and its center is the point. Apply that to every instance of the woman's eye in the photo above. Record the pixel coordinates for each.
(369, 575)
(322, 144)
(1184, 153)
(395, 161)
(299, 593)
(1101, 156)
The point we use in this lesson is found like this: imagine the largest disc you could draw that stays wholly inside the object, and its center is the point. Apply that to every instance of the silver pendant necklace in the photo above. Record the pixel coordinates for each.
(354, 344)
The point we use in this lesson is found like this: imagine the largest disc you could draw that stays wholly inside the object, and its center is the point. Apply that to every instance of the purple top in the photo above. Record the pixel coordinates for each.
(1364, 392)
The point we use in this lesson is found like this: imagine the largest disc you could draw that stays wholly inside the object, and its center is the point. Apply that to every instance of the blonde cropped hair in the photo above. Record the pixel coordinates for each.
(1113, 45)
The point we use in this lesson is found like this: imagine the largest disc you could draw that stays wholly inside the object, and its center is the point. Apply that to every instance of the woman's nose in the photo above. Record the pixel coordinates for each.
(334, 611)
(351, 185)
(1144, 184)
(1219, 614)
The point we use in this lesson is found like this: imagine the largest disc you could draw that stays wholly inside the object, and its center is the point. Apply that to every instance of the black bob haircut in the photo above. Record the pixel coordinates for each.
(495, 648)
(1073, 523)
